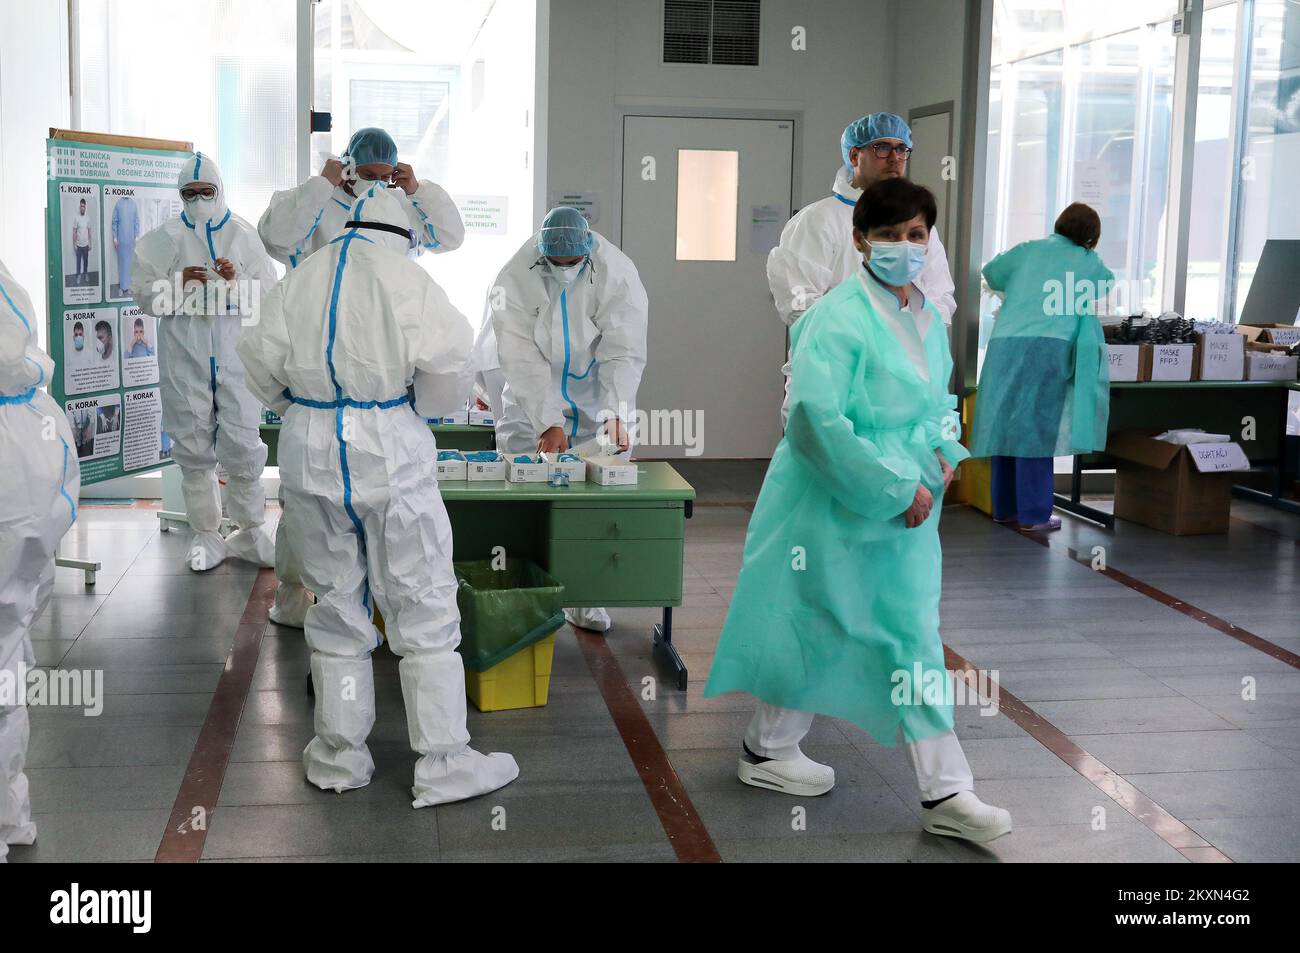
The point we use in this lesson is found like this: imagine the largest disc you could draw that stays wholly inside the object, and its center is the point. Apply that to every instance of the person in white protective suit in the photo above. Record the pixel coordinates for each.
(569, 316)
(816, 250)
(203, 275)
(341, 340)
(301, 220)
(39, 484)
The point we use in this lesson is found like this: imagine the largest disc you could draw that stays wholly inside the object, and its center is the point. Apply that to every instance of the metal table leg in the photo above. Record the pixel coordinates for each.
(85, 565)
(666, 652)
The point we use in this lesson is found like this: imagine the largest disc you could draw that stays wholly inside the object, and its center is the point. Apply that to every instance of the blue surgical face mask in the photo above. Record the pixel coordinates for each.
(78, 341)
(897, 263)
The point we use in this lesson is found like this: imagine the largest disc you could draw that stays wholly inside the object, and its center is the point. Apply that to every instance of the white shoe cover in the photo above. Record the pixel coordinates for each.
(291, 605)
(967, 817)
(207, 551)
(337, 759)
(252, 545)
(595, 619)
(441, 779)
(802, 776)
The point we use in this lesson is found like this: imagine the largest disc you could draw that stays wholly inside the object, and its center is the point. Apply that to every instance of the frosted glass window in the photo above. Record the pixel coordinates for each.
(707, 185)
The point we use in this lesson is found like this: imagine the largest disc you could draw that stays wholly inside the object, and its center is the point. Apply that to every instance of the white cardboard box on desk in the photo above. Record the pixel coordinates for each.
(451, 467)
(482, 418)
(533, 471)
(456, 417)
(1170, 362)
(575, 469)
(1125, 362)
(1220, 357)
(1270, 366)
(486, 469)
(611, 471)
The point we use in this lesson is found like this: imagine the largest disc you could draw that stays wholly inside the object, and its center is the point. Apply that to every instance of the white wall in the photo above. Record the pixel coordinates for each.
(33, 97)
(604, 55)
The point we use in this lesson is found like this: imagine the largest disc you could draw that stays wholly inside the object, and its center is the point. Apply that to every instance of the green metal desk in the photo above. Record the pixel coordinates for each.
(609, 545)
(1215, 406)
(449, 437)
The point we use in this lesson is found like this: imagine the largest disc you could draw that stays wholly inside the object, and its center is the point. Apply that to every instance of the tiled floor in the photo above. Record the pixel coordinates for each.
(1154, 695)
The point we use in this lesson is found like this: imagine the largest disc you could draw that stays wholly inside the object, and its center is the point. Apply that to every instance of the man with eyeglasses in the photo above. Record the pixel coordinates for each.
(816, 251)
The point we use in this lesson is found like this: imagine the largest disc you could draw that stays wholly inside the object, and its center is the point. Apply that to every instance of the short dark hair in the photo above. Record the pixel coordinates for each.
(139, 323)
(891, 201)
(103, 326)
(1080, 224)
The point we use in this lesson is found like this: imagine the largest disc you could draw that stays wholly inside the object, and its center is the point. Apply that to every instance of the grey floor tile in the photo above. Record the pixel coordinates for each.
(1257, 840)
(1151, 752)
(1124, 715)
(87, 745)
(110, 788)
(94, 836)
(744, 812)
(551, 821)
(120, 710)
(1219, 794)
(888, 847)
(347, 826)
(1120, 842)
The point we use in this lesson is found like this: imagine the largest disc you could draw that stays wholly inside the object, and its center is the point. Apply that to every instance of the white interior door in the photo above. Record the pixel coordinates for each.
(931, 142)
(704, 201)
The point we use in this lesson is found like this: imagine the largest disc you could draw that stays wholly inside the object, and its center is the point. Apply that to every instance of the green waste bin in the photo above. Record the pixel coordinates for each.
(504, 611)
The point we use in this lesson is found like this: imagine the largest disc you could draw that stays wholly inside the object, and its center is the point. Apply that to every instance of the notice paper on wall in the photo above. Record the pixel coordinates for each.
(765, 223)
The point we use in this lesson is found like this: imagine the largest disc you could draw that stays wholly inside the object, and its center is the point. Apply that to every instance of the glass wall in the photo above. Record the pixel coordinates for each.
(221, 75)
(1269, 205)
(1214, 168)
(454, 85)
(1081, 109)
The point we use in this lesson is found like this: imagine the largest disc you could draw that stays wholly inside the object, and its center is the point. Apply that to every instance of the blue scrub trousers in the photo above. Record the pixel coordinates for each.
(1022, 489)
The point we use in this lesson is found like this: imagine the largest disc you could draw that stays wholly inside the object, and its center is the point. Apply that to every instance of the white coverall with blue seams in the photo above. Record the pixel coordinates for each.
(39, 484)
(341, 339)
(206, 407)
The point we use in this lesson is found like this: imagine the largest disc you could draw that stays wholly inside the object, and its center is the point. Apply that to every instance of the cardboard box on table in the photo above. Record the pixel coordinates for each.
(1168, 362)
(1220, 357)
(1180, 490)
(486, 470)
(1265, 362)
(1126, 362)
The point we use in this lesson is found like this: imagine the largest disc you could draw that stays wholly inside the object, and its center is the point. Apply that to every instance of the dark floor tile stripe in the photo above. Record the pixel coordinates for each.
(183, 841)
(681, 822)
(1163, 824)
(1245, 636)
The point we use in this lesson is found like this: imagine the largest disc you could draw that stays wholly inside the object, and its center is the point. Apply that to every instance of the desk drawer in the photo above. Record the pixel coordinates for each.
(661, 522)
(600, 572)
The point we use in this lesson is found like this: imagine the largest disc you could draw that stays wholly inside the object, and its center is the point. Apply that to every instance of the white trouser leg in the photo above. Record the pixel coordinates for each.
(941, 766)
(342, 636)
(409, 549)
(776, 732)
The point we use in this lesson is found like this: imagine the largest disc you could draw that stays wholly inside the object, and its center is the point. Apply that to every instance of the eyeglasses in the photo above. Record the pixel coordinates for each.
(883, 150)
(198, 193)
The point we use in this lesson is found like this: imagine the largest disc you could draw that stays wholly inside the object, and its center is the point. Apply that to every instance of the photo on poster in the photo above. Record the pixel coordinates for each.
(80, 243)
(144, 444)
(138, 334)
(96, 424)
(90, 351)
(131, 212)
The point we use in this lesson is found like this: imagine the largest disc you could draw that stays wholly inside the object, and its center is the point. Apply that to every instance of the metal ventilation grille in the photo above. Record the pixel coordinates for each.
(711, 32)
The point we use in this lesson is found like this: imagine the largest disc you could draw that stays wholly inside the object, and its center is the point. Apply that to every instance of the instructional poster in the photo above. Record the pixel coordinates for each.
(105, 193)
(138, 334)
(142, 440)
